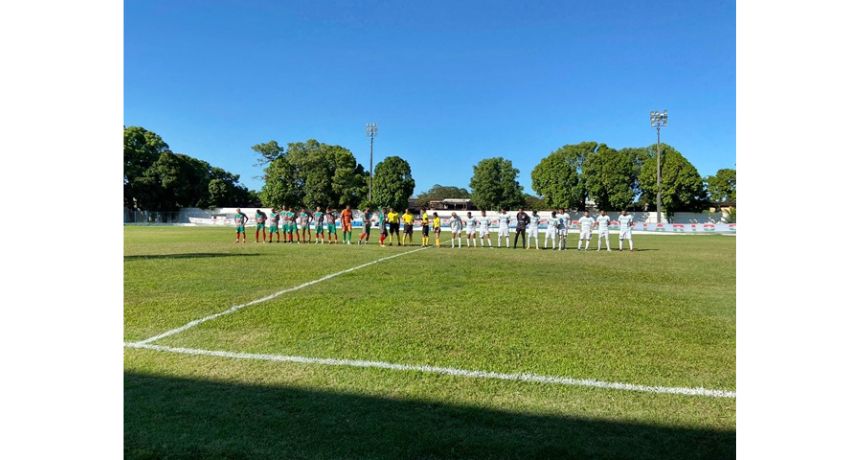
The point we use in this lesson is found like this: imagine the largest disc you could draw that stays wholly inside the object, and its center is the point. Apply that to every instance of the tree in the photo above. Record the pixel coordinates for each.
(141, 148)
(440, 192)
(314, 174)
(721, 187)
(610, 177)
(393, 183)
(269, 152)
(558, 177)
(158, 179)
(494, 184)
(683, 188)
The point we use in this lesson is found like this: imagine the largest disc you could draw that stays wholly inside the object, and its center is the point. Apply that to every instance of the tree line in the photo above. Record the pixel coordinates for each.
(573, 175)
(311, 173)
(157, 179)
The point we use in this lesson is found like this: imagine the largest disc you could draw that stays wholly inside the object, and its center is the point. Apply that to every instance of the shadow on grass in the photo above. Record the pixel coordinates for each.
(190, 255)
(184, 418)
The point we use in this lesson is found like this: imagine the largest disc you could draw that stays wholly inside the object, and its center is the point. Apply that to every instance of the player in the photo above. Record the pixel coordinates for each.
(394, 226)
(367, 221)
(471, 224)
(504, 229)
(346, 224)
(383, 229)
(319, 225)
(425, 228)
(533, 230)
(625, 224)
(563, 227)
(287, 222)
(260, 218)
(484, 229)
(274, 217)
(330, 224)
(551, 230)
(585, 224)
(303, 228)
(456, 225)
(603, 230)
(240, 218)
(523, 220)
(437, 228)
(408, 219)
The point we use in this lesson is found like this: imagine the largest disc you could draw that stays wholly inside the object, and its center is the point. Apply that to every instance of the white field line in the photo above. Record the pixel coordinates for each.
(519, 377)
(236, 308)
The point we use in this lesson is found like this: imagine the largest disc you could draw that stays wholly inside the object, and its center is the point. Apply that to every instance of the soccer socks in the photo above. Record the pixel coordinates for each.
(459, 241)
(579, 246)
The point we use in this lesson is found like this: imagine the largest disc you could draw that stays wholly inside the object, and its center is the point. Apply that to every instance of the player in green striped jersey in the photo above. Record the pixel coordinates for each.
(240, 218)
(273, 225)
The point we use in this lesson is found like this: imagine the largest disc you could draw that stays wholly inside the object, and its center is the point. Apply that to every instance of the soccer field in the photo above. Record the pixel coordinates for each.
(343, 351)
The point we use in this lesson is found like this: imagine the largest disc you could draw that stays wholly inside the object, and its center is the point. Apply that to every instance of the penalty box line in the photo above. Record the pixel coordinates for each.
(236, 308)
(516, 377)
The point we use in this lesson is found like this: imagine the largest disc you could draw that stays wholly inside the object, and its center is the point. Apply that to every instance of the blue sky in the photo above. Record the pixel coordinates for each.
(448, 83)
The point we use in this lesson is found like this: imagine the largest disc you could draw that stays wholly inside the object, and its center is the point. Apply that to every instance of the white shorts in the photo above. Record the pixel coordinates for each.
(470, 231)
(485, 231)
(533, 232)
(585, 234)
(504, 231)
(455, 231)
(603, 234)
(625, 235)
(562, 232)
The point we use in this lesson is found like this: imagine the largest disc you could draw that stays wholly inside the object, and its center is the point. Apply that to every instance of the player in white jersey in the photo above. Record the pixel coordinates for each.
(533, 231)
(563, 226)
(625, 223)
(456, 227)
(471, 224)
(484, 229)
(504, 229)
(551, 230)
(585, 224)
(603, 230)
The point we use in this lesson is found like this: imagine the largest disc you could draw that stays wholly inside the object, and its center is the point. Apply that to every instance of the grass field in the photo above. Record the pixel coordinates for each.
(661, 316)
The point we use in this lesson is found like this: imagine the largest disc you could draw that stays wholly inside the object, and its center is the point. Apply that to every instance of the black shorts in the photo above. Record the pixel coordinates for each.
(425, 230)
(367, 228)
(408, 229)
(394, 228)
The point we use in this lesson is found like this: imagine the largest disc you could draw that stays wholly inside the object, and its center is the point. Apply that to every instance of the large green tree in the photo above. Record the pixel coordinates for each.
(558, 177)
(494, 184)
(440, 192)
(611, 177)
(311, 174)
(721, 186)
(683, 188)
(141, 148)
(157, 179)
(393, 183)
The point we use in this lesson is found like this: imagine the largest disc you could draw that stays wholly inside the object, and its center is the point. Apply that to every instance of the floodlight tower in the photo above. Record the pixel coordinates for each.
(659, 120)
(371, 133)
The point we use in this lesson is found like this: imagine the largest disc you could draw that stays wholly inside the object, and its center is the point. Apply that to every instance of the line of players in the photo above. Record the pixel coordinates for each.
(323, 224)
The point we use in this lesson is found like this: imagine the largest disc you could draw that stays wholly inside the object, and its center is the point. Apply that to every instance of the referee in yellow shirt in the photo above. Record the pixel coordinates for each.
(408, 219)
(425, 228)
(394, 226)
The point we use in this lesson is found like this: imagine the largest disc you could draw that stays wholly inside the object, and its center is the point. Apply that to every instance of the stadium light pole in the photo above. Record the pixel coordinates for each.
(371, 133)
(659, 120)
